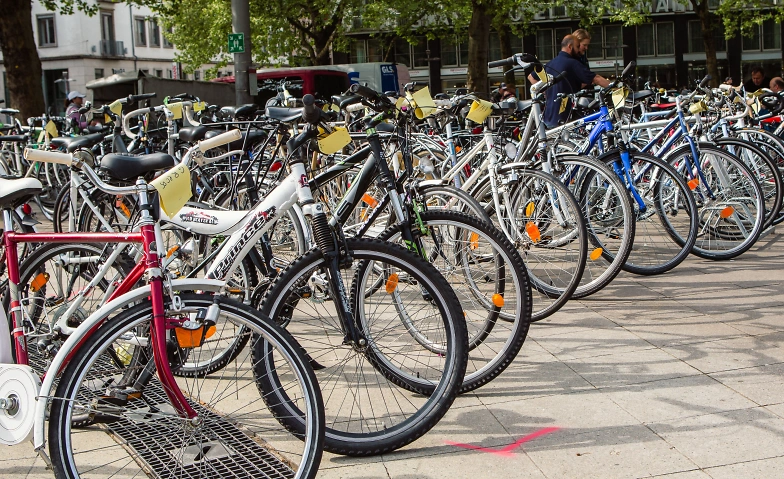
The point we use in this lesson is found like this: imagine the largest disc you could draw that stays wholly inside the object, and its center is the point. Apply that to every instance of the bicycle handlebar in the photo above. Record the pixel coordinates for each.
(142, 96)
(220, 140)
(705, 81)
(48, 156)
(310, 112)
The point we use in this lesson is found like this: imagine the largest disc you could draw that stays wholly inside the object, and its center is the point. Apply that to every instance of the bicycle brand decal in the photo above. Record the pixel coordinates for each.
(253, 227)
(199, 217)
(303, 181)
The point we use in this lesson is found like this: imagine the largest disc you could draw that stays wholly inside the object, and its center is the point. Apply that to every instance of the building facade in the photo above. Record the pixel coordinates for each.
(668, 49)
(75, 49)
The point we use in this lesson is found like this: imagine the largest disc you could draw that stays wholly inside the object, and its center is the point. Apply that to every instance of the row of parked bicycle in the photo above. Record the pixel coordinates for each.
(233, 291)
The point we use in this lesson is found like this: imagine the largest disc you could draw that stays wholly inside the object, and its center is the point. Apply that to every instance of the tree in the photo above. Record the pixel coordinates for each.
(740, 17)
(282, 31)
(20, 56)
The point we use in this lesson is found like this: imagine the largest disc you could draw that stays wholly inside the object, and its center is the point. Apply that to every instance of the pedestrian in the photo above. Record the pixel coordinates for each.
(757, 80)
(583, 42)
(73, 103)
(777, 84)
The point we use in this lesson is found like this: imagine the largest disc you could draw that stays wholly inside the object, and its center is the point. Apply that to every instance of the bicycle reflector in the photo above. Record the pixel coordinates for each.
(193, 333)
(498, 300)
(727, 212)
(392, 283)
(595, 254)
(533, 232)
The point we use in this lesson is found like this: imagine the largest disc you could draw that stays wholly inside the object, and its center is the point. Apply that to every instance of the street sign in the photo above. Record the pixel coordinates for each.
(236, 43)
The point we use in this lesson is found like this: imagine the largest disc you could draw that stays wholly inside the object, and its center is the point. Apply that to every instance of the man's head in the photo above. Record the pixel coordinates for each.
(777, 84)
(583, 40)
(757, 75)
(569, 45)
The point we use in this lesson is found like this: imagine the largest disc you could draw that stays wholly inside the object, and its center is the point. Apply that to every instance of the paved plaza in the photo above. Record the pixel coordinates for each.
(676, 376)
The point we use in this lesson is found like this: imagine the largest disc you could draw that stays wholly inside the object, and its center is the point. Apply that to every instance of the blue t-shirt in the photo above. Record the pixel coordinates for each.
(576, 75)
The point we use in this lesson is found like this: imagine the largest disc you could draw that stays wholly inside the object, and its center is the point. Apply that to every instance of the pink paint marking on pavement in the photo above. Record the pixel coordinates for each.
(506, 451)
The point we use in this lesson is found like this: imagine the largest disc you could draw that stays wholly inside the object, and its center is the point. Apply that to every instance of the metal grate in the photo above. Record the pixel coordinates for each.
(165, 450)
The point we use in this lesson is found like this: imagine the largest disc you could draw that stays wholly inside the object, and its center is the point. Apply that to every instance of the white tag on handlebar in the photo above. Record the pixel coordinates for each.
(174, 189)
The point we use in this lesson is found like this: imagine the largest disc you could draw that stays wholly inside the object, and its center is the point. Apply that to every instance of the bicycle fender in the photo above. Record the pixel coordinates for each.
(39, 434)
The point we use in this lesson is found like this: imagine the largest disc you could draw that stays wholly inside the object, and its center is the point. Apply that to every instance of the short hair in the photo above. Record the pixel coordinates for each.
(778, 81)
(757, 69)
(567, 40)
(581, 34)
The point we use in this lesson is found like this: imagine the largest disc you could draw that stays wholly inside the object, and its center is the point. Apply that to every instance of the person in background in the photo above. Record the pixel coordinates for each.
(73, 103)
(777, 84)
(757, 80)
(583, 42)
(728, 81)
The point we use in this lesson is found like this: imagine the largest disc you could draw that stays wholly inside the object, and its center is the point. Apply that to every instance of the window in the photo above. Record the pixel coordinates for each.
(357, 52)
(145, 71)
(752, 41)
(107, 26)
(98, 73)
(159, 73)
(197, 75)
(166, 42)
(697, 44)
(419, 53)
(646, 43)
(139, 32)
(613, 39)
(375, 50)
(402, 52)
(155, 33)
(771, 35)
(449, 51)
(463, 50)
(665, 38)
(495, 47)
(544, 44)
(168, 73)
(596, 50)
(46, 33)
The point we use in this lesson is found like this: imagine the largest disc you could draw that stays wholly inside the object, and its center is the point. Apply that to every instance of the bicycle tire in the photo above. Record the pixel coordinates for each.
(361, 427)
(773, 146)
(147, 436)
(459, 245)
(661, 240)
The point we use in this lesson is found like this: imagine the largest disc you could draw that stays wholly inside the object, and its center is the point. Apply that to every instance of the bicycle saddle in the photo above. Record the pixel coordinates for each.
(642, 95)
(15, 138)
(283, 114)
(126, 166)
(342, 101)
(14, 189)
(73, 143)
(8, 111)
(240, 112)
(192, 134)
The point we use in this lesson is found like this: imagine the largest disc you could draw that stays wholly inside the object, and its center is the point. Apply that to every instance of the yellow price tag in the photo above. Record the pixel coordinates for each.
(199, 106)
(564, 102)
(51, 128)
(335, 141)
(174, 189)
(116, 108)
(424, 102)
(541, 74)
(619, 96)
(176, 109)
(480, 110)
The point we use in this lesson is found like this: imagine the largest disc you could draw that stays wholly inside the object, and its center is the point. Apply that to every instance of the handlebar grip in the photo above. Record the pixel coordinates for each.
(355, 107)
(443, 103)
(705, 81)
(364, 91)
(628, 68)
(143, 96)
(501, 63)
(48, 156)
(310, 112)
(220, 140)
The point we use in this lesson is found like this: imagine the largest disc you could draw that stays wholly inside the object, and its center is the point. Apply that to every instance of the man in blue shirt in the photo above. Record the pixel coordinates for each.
(577, 77)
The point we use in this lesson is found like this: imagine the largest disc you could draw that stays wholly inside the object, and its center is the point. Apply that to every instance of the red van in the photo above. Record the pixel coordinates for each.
(321, 82)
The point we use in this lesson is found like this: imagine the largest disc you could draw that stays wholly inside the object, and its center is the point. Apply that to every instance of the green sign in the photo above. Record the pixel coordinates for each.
(236, 43)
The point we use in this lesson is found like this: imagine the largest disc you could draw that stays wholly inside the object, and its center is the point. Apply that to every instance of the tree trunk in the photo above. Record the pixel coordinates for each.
(706, 22)
(505, 39)
(478, 46)
(20, 58)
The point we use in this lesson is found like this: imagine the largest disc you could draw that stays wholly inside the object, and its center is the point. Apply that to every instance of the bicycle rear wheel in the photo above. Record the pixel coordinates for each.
(135, 431)
(388, 392)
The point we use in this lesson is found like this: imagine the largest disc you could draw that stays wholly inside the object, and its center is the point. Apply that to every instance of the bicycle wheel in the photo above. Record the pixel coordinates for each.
(543, 220)
(609, 219)
(773, 146)
(136, 430)
(664, 208)
(730, 203)
(453, 199)
(491, 282)
(765, 171)
(389, 392)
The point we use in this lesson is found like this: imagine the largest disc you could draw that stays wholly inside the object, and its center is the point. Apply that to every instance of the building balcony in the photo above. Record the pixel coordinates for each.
(112, 49)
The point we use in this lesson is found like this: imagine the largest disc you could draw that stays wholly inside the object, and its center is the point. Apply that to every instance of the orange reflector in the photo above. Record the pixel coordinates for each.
(727, 212)
(529, 208)
(189, 338)
(474, 240)
(210, 331)
(120, 203)
(392, 282)
(458, 149)
(498, 300)
(533, 232)
(370, 200)
(693, 183)
(172, 250)
(595, 254)
(39, 281)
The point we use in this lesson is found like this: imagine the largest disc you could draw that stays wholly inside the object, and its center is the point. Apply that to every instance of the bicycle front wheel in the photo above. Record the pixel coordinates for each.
(133, 429)
(389, 391)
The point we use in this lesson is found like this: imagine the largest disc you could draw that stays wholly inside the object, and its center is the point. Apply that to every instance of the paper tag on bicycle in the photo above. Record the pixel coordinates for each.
(480, 110)
(541, 74)
(199, 106)
(619, 96)
(335, 141)
(425, 104)
(174, 189)
(51, 128)
(116, 108)
(698, 107)
(564, 102)
(176, 109)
